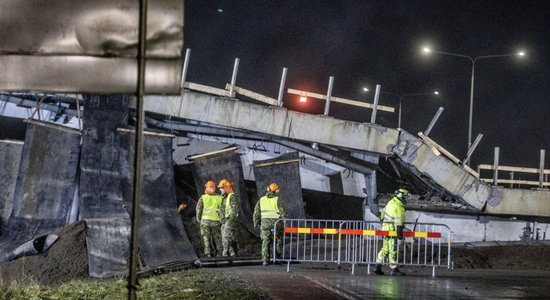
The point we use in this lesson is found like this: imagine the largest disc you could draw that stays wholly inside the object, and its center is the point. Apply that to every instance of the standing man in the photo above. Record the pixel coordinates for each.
(229, 216)
(208, 216)
(393, 216)
(267, 211)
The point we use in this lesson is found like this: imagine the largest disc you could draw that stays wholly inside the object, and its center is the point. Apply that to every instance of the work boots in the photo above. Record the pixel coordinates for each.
(396, 272)
(378, 270)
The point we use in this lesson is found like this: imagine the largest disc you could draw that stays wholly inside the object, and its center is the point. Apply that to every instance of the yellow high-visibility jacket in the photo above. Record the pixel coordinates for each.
(394, 212)
(211, 207)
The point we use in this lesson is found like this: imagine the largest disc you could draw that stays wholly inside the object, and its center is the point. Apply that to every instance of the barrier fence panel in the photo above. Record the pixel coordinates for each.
(359, 242)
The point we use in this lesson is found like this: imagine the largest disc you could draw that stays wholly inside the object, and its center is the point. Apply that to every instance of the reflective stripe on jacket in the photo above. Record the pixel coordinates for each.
(269, 207)
(228, 209)
(394, 212)
(211, 207)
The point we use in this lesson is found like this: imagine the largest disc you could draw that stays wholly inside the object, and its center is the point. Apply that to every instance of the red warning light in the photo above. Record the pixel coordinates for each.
(303, 99)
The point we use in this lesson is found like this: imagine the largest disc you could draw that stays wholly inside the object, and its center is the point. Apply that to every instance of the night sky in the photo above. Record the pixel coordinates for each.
(364, 43)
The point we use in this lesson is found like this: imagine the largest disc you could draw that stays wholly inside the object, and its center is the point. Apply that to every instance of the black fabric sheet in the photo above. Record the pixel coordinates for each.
(45, 183)
(226, 165)
(162, 236)
(285, 171)
(106, 193)
(102, 178)
(10, 156)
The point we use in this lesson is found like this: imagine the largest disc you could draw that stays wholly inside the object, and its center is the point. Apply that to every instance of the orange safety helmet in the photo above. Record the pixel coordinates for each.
(224, 183)
(210, 187)
(273, 187)
(210, 184)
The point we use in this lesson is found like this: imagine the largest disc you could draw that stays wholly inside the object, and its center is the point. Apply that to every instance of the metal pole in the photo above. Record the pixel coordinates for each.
(282, 88)
(399, 115)
(472, 149)
(434, 120)
(329, 94)
(78, 113)
(471, 107)
(541, 169)
(185, 66)
(234, 78)
(134, 239)
(375, 104)
(495, 166)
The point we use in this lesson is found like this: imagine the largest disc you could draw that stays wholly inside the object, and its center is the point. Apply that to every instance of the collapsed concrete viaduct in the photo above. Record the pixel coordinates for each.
(430, 162)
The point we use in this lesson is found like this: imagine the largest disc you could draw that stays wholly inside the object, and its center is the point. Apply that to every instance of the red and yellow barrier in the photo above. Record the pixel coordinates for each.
(305, 230)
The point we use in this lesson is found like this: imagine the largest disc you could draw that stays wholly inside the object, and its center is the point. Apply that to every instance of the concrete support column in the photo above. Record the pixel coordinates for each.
(372, 193)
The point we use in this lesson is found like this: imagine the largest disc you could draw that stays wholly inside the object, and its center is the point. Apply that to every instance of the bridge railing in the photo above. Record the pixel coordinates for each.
(359, 242)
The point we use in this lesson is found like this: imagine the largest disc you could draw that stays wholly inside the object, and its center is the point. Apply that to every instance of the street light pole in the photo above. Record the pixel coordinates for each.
(471, 112)
(472, 80)
(401, 102)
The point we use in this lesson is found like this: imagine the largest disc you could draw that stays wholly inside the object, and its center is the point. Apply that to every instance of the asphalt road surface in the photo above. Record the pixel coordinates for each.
(307, 281)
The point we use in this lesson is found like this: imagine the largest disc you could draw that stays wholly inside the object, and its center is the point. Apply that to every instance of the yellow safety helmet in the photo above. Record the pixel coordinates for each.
(273, 187)
(401, 193)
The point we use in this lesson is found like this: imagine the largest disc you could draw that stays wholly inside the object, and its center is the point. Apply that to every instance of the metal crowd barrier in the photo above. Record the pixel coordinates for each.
(358, 242)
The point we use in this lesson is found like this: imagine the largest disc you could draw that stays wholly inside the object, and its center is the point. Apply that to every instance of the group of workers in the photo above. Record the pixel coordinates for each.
(217, 215)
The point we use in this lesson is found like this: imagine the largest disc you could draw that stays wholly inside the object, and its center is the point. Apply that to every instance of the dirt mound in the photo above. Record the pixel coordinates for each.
(67, 259)
(527, 257)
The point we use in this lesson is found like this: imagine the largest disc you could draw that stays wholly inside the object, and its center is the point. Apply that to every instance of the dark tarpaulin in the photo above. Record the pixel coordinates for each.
(285, 171)
(10, 156)
(107, 241)
(106, 193)
(101, 177)
(12, 128)
(217, 166)
(102, 203)
(45, 183)
(21, 230)
(162, 236)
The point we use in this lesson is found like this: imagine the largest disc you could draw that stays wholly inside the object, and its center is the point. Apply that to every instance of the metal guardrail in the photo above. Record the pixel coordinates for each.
(358, 242)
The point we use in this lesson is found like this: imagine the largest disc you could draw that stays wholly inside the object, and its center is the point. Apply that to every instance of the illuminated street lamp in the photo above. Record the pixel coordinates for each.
(428, 50)
(303, 99)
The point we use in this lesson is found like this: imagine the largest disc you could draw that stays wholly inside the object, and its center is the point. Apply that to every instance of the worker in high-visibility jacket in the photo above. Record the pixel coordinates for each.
(229, 216)
(208, 216)
(267, 211)
(393, 216)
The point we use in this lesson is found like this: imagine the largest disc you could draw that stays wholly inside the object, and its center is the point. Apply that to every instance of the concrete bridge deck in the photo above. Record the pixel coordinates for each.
(418, 155)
